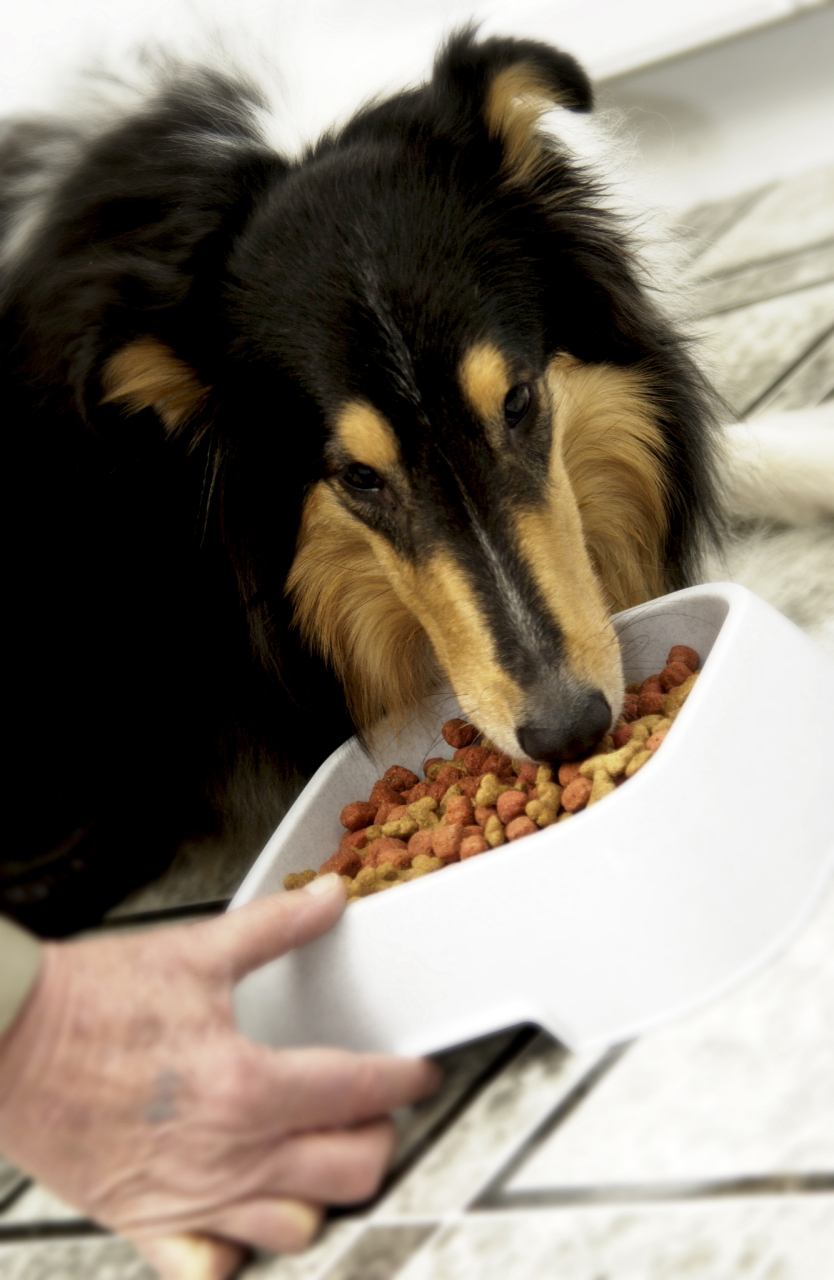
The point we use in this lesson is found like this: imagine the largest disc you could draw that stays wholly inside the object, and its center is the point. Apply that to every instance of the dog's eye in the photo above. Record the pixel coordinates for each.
(358, 476)
(516, 403)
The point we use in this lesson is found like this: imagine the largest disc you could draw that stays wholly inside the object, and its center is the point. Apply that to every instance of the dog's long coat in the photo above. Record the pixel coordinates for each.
(293, 441)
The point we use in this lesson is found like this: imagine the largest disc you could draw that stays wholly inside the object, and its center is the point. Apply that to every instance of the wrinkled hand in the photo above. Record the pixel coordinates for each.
(126, 1088)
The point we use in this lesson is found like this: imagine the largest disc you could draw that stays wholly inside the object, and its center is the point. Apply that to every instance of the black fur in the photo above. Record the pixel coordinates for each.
(154, 647)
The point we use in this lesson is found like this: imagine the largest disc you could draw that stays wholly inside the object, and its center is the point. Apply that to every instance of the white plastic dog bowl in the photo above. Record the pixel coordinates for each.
(682, 882)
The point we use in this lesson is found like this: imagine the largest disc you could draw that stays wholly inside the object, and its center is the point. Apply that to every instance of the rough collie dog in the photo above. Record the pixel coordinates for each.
(293, 441)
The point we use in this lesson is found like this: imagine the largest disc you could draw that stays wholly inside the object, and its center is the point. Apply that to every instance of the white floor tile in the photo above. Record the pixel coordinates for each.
(748, 349)
(761, 1238)
(794, 214)
(744, 1088)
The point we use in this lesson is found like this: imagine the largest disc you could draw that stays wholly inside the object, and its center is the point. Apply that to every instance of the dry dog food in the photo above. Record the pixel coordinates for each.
(479, 799)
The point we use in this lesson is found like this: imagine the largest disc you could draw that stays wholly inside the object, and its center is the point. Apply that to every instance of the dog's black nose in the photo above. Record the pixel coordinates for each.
(567, 736)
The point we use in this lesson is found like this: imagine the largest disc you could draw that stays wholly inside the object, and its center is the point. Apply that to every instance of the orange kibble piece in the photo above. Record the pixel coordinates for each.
(568, 771)
(651, 684)
(654, 741)
(521, 826)
(446, 842)
(389, 849)
(510, 804)
(459, 809)
(471, 846)
(483, 813)
(419, 843)
(576, 794)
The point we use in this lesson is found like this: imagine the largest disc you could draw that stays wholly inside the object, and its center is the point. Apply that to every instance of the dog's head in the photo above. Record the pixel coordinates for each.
(498, 441)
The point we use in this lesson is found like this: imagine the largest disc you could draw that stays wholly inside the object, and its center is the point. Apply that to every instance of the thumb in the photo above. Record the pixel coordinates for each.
(192, 1257)
(263, 930)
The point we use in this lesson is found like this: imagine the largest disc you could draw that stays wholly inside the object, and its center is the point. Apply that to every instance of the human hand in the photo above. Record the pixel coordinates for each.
(126, 1088)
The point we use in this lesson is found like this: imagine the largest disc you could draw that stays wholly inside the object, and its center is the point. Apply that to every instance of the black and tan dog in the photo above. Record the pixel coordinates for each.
(292, 442)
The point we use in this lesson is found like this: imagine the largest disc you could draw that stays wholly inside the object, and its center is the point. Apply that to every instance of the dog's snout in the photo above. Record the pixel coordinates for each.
(567, 733)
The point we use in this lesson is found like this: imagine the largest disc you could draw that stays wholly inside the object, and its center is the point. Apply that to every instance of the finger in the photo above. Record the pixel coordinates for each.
(263, 930)
(344, 1166)
(322, 1088)
(279, 1225)
(192, 1257)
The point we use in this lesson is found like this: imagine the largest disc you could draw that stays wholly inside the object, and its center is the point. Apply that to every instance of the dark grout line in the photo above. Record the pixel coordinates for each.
(17, 1232)
(14, 1193)
(564, 1197)
(517, 1045)
(806, 356)
(491, 1195)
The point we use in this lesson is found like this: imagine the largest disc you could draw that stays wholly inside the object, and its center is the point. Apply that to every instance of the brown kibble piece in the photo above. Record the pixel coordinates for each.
(470, 787)
(683, 653)
(416, 793)
(521, 826)
(650, 703)
(576, 793)
(400, 778)
(459, 733)
(621, 735)
(450, 775)
(345, 862)
(383, 794)
(354, 816)
(629, 711)
(473, 758)
(673, 675)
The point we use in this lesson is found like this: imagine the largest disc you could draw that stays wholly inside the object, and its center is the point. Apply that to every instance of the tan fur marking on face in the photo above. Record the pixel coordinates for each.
(440, 595)
(147, 375)
(388, 627)
(366, 436)
(517, 98)
(349, 613)
(484, 379)
(612, 450)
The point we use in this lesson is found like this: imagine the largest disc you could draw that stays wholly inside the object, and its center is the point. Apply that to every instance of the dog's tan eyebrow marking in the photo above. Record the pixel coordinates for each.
(485, 379)
(147, 375)
(366, 436)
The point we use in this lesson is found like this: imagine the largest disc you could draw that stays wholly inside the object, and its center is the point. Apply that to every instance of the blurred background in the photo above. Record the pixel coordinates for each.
(720, 96)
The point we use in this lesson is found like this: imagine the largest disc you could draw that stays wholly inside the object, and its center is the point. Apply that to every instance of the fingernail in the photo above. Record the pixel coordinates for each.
(323, 884)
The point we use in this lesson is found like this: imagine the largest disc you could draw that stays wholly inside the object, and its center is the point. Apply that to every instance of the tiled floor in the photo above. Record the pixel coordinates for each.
(704, 1151)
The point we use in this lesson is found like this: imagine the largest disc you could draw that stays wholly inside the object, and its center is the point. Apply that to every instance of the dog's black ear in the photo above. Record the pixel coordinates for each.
(146, 374)
(508, 85)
